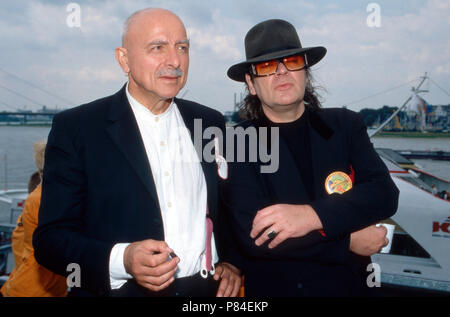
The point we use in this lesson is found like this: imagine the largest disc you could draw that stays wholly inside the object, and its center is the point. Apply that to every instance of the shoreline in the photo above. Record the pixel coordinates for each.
(26, 125)
(418, 135)
(384, 134)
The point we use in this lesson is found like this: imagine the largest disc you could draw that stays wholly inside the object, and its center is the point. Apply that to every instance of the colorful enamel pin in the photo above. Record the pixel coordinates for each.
(338, 182)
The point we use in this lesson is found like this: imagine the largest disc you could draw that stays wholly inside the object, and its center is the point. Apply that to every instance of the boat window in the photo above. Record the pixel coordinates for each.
(404, 244)
(418, 182)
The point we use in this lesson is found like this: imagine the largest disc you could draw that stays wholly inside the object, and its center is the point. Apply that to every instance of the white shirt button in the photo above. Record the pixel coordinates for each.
(166, 173)
(162, 143)
(157, 119)
(169, 204)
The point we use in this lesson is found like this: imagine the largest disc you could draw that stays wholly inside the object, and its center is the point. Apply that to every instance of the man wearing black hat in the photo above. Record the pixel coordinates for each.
(294, 225)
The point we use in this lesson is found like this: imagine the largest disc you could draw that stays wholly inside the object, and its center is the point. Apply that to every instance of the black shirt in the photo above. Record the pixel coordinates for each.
(296, 136)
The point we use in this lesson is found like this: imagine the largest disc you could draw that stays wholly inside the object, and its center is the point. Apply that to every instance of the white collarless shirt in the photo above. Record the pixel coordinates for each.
(180, 186)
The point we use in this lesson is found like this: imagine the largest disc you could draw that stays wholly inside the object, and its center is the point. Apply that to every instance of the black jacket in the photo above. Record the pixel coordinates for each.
(313, 265)
(98, 189)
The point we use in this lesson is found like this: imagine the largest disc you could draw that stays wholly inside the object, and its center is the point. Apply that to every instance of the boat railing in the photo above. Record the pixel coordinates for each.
(5, 259)
(6, 230)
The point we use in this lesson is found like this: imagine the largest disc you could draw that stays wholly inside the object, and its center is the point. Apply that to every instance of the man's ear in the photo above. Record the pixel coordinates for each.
(121, 54)
(251, 87)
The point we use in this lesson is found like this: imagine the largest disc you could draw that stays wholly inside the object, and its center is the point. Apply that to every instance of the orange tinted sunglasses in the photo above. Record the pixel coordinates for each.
(267, 68)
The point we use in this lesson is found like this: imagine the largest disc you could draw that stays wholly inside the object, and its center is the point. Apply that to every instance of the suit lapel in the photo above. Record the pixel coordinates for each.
(321, 153)
(124, 131)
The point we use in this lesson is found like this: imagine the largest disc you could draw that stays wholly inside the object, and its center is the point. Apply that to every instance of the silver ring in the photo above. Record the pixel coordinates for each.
(272, 234)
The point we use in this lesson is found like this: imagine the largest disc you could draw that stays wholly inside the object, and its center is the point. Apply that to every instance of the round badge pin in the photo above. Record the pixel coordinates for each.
(338, 182)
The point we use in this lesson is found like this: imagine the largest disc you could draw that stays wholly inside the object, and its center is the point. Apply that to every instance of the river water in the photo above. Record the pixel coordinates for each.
(437, 168)
(16, 145)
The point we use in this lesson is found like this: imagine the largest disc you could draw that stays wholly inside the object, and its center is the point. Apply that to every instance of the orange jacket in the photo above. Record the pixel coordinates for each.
(28, 278)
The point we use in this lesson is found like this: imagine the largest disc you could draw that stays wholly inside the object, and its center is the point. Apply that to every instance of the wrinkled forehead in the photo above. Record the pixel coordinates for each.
(155, 26)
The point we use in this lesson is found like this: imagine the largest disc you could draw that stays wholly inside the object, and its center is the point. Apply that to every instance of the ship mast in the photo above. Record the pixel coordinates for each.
(417, 90)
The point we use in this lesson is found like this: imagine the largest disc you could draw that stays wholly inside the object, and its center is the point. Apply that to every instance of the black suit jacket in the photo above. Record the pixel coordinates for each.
(312, 265)
(98, 189)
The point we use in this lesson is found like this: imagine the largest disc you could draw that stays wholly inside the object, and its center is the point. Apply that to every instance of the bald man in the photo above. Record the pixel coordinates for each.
(125, 195)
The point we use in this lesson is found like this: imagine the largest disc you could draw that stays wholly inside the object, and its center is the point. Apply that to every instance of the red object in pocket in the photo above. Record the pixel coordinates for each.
(352, 174)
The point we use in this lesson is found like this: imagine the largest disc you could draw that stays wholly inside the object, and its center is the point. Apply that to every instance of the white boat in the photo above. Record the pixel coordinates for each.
(11, 205)
(419, 259)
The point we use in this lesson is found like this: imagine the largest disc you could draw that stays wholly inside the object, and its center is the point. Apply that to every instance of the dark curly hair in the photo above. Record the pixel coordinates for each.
(251, 108)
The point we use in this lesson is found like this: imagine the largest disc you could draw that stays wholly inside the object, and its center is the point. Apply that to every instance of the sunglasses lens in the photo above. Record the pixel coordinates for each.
(270, 67)
(294, 62)
(266, 68)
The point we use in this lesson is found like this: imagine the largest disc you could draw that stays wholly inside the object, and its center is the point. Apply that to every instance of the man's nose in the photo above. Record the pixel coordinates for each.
(173, 58)
(281, 69)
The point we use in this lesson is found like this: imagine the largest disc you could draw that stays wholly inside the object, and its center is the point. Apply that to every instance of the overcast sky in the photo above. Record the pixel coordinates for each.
(76, 65)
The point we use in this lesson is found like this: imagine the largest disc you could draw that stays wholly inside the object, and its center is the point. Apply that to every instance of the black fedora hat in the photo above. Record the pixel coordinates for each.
(273, 39)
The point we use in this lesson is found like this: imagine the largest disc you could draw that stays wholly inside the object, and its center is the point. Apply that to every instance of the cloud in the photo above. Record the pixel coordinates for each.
(374, 59)
(221, 43)
(78, 63)
(101, 75)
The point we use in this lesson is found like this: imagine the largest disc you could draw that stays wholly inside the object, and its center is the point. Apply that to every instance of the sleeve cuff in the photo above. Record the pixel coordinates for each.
(117, 273)
(331, 225)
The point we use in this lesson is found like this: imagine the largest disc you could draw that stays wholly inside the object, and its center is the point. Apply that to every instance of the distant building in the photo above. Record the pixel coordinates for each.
(420, 116)
(48, 110)
(25, 117)
(425, 117)
(439, 118)
(228, 115)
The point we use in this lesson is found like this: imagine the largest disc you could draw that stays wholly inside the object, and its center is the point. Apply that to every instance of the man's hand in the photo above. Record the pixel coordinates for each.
(369, 240)
(148, 262)
(230, 280)
(288, 221)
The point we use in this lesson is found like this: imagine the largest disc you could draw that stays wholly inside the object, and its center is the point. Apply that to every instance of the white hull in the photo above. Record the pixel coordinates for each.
(424, 261)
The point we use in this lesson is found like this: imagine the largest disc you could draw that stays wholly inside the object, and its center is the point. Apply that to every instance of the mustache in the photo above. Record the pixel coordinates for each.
(177, 72)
